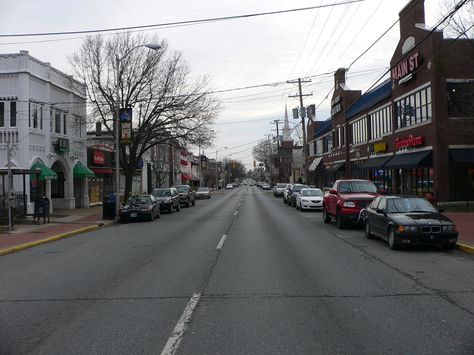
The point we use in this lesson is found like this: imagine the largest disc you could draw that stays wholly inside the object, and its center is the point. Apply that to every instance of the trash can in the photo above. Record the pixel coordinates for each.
(108, 207)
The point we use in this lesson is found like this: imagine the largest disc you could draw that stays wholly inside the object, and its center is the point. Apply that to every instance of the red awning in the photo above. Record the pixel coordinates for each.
(186, 177)
(102, 171)
(184, 162)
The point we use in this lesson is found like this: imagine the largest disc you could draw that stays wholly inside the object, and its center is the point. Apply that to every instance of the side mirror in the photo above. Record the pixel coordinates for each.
(380, 211)
(333, 192)
(440, 210)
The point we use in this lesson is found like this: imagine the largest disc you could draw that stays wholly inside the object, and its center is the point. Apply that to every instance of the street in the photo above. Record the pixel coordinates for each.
(240, 273)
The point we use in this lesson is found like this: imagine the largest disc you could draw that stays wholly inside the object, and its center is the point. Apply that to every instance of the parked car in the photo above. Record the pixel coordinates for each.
(285, 193)
(229, 186)
(140, 207)
(408, 221)
(203, 192)
(168, 199)
(345, 200)
(266, 186)
(311, 198)
(293, 192)
(187, 196)
(279, 189)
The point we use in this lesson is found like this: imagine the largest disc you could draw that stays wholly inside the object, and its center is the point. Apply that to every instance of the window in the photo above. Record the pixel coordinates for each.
(375, 202)
(460, 99)
(12, 114)
(2, 114)
(380, 122)
(57, 121)
(359, 131)
(64, 124)
(414, 108)
(34, 115)
(41, 118)
(51, 122)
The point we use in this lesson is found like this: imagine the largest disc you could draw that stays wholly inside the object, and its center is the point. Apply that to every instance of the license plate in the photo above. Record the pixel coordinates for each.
(133, 215)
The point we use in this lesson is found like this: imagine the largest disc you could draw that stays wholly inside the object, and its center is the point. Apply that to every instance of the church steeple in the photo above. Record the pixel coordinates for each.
(286, 128)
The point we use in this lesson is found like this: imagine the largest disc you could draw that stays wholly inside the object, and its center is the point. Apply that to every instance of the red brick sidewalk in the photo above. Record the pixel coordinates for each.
(464, 222)
(43, 234)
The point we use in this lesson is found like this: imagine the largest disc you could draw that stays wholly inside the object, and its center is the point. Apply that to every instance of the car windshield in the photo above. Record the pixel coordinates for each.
(182, 189)
(357, 186)
(298, 188)
(139, 200)
(203, 189)
(312, 192)
(281, 186)
(161, 193)
(409, 205)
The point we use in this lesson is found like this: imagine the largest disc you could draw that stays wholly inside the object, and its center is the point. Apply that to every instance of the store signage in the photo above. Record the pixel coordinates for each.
(125, 115)
(336, 105)
(403, 71)
(380, 147)
(98, 157)
(409, 142)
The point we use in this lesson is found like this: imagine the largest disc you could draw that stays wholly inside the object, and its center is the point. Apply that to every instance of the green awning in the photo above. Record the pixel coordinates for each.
(81, 171)
(46, 173)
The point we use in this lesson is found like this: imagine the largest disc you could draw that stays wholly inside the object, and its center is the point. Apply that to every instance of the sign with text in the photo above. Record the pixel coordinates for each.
(409, 142)
(125, 116)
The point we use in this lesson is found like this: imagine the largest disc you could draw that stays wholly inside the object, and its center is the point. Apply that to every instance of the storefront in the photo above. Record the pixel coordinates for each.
(102, 184)
(461, 171)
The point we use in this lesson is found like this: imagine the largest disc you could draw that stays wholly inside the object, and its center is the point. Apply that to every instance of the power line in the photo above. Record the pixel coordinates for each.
(187, 22)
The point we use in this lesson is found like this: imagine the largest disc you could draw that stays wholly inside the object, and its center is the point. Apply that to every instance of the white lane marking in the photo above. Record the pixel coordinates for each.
(236, 213)
(174, 340)
(221, 243)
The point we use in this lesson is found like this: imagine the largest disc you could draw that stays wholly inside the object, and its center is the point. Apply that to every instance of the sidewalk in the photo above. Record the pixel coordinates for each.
(464, 222)
(63, 224)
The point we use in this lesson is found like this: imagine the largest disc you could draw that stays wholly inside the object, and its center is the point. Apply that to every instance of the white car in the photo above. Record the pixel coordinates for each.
(229, 186)
(309, 199)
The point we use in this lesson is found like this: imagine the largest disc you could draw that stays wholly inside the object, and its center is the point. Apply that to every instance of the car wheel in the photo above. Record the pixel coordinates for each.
(297, 207)
(392, 242)
(187, 204)
(170, 210)
(301, 207)
(159, 214)
(339, 221)
(367, 231)
(326, 216)
(194, 202)
(151, 217)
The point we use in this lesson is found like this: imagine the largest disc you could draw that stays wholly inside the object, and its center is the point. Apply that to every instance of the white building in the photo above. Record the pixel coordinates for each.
(43, 116)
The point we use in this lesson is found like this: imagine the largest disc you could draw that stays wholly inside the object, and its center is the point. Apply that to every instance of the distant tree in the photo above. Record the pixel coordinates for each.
(168, 106)
(264, 152)
(462, 22)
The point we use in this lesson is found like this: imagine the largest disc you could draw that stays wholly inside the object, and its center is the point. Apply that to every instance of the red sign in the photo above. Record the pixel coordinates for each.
(98, 157)
(411, 141)
(406, 67)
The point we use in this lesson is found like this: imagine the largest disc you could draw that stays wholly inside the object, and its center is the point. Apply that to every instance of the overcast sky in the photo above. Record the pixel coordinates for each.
(236, 53)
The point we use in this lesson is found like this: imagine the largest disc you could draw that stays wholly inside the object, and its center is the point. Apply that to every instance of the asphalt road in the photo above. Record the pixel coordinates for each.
(241, 273)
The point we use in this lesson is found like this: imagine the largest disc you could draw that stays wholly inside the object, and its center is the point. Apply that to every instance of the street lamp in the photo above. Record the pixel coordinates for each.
(217, 150)
(118, 59)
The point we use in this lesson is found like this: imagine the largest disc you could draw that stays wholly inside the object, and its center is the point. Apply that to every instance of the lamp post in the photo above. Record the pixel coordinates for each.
(118, 59)
(217, 179)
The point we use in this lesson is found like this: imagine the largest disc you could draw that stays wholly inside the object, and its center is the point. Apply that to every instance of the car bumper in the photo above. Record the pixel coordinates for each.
(350, 215)
(135, 215)
(426, 238)
(165, 206)
(199, 197)
(312, 205)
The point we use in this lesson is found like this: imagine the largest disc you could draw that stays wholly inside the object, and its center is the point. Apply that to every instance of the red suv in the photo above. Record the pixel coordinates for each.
(345, 200)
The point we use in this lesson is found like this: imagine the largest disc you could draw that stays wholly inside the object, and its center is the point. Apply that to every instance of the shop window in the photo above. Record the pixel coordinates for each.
(460, 99)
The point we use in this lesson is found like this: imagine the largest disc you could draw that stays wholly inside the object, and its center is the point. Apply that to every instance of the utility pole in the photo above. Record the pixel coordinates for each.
(276, 122)
(9, 187)
(302, 114)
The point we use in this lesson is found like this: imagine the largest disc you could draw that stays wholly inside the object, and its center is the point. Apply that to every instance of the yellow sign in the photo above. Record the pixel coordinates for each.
(380, 147)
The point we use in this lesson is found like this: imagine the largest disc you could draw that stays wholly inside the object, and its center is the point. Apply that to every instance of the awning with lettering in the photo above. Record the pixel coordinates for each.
(336, 167)
(462, 156)
(375, 163)
(314, 165)
(411, 160)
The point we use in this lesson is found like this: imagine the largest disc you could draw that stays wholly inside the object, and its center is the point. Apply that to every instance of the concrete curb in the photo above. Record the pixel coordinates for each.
(48, 240)
(465, 248)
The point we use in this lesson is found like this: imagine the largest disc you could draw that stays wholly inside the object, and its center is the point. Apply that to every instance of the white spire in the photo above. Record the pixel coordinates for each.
(286, 128)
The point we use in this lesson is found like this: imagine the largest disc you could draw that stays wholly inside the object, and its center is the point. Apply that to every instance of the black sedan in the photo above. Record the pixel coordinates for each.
(168, 199)
(408, 221)
(140, 207)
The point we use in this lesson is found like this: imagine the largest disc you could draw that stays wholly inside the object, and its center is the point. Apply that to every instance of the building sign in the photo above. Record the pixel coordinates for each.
(336, 105)
(409, 142)
(98, 157)
(380, 147)
(403, 71)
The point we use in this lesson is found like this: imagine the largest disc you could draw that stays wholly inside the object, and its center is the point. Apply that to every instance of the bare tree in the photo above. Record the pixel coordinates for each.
(265, 152)
(168, 106)
(462, 22)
